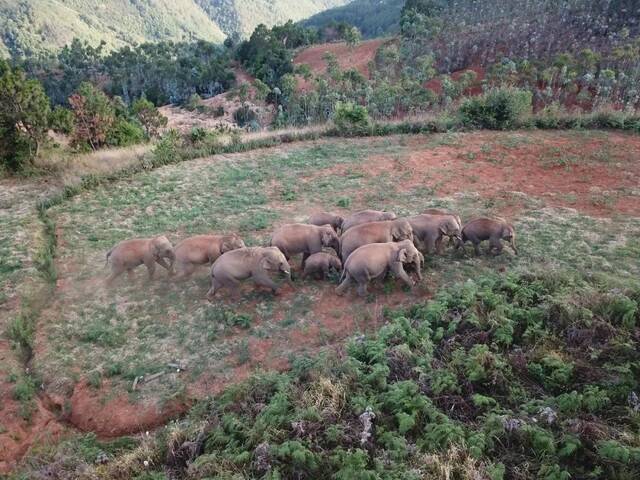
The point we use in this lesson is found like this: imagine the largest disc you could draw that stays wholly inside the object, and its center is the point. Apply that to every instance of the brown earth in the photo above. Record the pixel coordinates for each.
(357, 57)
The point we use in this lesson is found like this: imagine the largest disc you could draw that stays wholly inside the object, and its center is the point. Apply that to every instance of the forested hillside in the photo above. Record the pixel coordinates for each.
(374, 18)
(29, 27)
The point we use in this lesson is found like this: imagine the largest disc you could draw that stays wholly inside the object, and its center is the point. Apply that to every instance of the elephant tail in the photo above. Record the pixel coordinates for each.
(106, 262)
(343, 274)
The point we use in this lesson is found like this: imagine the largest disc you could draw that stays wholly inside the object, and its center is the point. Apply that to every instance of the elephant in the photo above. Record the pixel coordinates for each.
(248, 262)
(429, 231)
(366, 216)
(374, 260)
(438, 211)
(129, 254)
(295, 238)
(324, 218)
(493, 229)
(202, 249)
(374, 232)
(320, 263)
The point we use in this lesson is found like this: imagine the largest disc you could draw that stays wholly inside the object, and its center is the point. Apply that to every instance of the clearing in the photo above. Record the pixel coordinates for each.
(573, 197)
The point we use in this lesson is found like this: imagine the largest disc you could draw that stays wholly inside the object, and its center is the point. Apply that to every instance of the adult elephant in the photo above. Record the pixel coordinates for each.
(366, 216)
(376, 259)
(429, 230)
(249, 262)
(295, 238)
(374, 232)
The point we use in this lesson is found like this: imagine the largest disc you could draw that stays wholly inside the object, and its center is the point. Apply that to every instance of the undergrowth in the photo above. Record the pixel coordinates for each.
(523, 375)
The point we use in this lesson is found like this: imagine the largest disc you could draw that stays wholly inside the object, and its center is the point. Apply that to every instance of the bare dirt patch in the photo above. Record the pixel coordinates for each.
(348, 57)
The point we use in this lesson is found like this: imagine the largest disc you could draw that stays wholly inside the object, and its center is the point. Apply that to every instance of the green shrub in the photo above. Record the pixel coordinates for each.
(124, 132)
(350, 118)
(498, 109)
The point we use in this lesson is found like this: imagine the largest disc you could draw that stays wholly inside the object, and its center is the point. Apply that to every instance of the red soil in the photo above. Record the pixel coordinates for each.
(117, 416)
(357, 57)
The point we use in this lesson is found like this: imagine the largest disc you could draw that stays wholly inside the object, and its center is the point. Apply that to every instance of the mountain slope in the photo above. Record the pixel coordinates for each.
(242, 16)
(374, 18)
(33, 26)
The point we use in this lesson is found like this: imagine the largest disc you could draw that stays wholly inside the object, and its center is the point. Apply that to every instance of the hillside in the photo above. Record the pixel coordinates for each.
(33, 26)
(374, 18)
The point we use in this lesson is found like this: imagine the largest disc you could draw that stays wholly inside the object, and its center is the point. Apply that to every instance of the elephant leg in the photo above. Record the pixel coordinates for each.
(340, 289)
(185, 271)
(215, 286)
(362, 288)
(476, 248)
(130, 274)
(304, 274)
(305, 255)
(497, 244)
(263, 279)
(151, 268)
(431, 245)
(114, 274)
(439, 245)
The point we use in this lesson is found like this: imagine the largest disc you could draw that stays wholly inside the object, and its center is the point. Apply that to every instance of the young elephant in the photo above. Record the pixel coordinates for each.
(374, 260)
(438, 211)
(374, 232)
(297, 238)
(129, 254)
(326, 218)
(320, 263)
(429, 230)
(201, 250)
(248, 262)
(492, 229)
(366, 216)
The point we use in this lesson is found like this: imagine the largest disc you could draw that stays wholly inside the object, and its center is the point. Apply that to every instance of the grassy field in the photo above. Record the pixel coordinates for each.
(577, 215)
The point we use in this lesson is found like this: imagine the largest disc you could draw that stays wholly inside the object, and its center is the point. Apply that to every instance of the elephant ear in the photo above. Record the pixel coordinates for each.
(402, 255)
(265, 263)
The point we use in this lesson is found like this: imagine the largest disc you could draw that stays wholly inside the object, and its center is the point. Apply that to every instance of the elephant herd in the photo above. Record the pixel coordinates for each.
(367, 244)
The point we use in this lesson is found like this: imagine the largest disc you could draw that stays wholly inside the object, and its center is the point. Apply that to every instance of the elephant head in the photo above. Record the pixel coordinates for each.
(509, 234)
(330, 238)
(162, 248)
(274, 260)
(449, 227)
(231, 242)
(409, 254)
(401, 230)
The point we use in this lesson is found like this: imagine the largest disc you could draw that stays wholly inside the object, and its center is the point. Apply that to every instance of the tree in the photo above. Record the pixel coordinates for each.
(94, 115)
(149, 116)
(24, 117)
(352, 36)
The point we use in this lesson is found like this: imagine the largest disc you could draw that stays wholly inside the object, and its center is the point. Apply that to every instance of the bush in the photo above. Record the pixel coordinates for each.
(244, 115)
(124, 133)
(351, 118)
(24, 118)
(497, 109)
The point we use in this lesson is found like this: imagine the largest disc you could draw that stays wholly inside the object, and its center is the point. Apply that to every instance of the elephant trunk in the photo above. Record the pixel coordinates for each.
(512, 242)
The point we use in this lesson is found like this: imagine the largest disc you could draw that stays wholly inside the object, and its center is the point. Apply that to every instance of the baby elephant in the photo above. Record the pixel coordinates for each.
(319, 265)
(201, 250)
(248, 262)
(129, 254)
(375, 260)
(491, 229)
(297, 238)
(326, 218)
(366, 216)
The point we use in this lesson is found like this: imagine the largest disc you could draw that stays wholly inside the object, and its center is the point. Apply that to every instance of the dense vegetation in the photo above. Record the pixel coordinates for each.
(164, 72)
(374, 18)
(523, 375)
